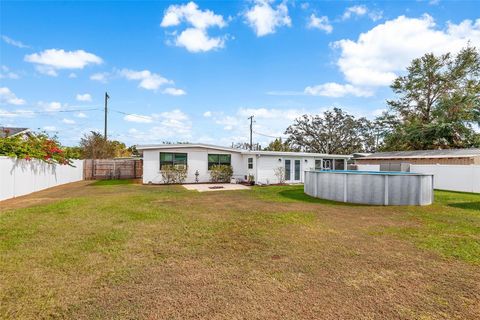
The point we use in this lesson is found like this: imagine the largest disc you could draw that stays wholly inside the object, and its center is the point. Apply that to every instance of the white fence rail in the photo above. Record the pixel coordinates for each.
(21, 177)
(452, 177)
(368, 167)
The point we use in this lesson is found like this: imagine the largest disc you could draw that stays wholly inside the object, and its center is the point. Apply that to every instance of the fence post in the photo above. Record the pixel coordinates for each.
(386, 191)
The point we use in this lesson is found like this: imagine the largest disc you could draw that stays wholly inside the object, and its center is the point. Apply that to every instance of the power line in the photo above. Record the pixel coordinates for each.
(133, 114)
(26, 112)
(266, 135)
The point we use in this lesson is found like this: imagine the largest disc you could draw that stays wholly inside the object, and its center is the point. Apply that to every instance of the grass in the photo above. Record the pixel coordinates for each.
(450, 227)
(116, 249)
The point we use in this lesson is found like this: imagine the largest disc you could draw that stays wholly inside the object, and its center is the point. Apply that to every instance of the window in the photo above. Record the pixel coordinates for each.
(220, 159)
(318, 164)
(173, 159)
(287, 170)
(250, 163)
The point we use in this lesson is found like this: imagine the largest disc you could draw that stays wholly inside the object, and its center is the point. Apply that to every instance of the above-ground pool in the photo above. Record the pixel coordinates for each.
(370, 187)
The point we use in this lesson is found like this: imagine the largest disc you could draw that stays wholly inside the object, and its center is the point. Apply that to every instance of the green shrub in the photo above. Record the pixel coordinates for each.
(221, 173)
(40, 146)
(173, 174)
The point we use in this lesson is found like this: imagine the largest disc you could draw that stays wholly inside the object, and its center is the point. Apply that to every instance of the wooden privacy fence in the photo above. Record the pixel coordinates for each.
(112, 169)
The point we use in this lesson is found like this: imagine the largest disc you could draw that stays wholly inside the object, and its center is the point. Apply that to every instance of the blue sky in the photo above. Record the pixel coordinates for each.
(194, 71)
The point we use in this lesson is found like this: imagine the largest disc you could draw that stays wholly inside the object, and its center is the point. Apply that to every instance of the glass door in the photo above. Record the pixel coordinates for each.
(288, 165)
(297, 170)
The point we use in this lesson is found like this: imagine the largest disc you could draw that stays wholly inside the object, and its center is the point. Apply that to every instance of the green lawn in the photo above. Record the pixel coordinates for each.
(116, 249)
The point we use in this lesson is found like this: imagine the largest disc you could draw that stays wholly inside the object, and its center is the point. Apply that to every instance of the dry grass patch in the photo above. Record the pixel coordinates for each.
(112, 250)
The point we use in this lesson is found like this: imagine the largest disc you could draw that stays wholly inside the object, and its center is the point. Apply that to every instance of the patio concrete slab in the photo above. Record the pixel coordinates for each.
(205, 187)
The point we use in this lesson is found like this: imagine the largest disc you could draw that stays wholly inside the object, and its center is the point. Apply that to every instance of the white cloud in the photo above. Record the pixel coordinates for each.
(100, 76)
(68, 121)
(190, 13)
(174, 124)
(268, 121)
(148, 80)
(175, 120)
(378, 112)
(335, 90)
(361, 10)
(46, 70)
(320, 23)
(51, 60)
(80, 115)
(7, 96)
(72, 75)
(207, 114)
(5, 73)
(14, 43)
(84, 97)
(194, 39)
(138, 118)
(50, 128)
(174, 92)
(197, 40)
(50, 106)
(381, 53)
(264, 18)
(16, 113)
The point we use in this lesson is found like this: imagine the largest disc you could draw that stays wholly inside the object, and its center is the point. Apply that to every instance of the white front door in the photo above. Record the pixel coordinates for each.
(292, 170)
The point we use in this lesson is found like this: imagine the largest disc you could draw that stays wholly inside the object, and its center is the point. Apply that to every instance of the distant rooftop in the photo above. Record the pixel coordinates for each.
(445, 153)
(11, 131)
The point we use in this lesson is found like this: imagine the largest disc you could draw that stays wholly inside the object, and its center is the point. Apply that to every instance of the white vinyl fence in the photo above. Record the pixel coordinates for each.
(21, 177)
(368, 167)
(452, 177)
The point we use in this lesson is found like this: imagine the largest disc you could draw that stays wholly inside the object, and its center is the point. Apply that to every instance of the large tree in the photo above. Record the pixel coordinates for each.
(335, 131)
(94, 146)
(278, 145)
(437, 105)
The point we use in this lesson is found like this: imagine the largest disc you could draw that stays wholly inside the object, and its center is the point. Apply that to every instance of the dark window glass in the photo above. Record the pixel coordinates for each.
(173, 159)
(287, 170)
(297, 170)
(318, 164)
(339, 164)
(220, 159)
(250, 163)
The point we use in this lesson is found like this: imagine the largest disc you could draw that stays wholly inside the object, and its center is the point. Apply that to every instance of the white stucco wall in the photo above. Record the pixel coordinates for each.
(197, 159)
(263, 170)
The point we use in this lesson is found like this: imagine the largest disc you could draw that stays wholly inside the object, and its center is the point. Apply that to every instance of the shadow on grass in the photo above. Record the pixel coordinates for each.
(113, 182)
(466, 205)
(300, 195)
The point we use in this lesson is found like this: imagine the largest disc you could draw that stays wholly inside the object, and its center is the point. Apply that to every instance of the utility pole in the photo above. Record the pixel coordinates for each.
(251, 131)
(106, 110)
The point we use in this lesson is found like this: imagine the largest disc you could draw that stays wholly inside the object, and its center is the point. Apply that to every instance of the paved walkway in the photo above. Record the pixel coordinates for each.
(205, 187)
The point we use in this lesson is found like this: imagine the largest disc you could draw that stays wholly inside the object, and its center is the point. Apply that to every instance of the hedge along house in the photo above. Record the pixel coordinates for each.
(199, 158)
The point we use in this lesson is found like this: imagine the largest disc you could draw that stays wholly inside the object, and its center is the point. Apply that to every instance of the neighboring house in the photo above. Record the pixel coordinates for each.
(199, 158)
(6, 132)
(400, 160)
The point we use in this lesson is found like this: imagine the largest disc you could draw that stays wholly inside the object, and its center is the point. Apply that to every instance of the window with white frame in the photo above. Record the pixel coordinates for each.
(178, 160)
(250, 163)
(219, 159)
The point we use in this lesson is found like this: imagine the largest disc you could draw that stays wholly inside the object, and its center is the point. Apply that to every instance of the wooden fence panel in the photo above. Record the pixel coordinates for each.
(112, 169)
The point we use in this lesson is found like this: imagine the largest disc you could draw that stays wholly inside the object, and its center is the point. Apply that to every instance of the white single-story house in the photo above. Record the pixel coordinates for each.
(198, 159)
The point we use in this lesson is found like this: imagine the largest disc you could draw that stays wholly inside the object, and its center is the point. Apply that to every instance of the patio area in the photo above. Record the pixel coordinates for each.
(206, 187)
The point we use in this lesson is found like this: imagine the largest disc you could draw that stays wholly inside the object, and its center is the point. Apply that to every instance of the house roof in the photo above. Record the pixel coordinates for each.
(12, 131)
(445, 153)
(185, 145)
(247, 152)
